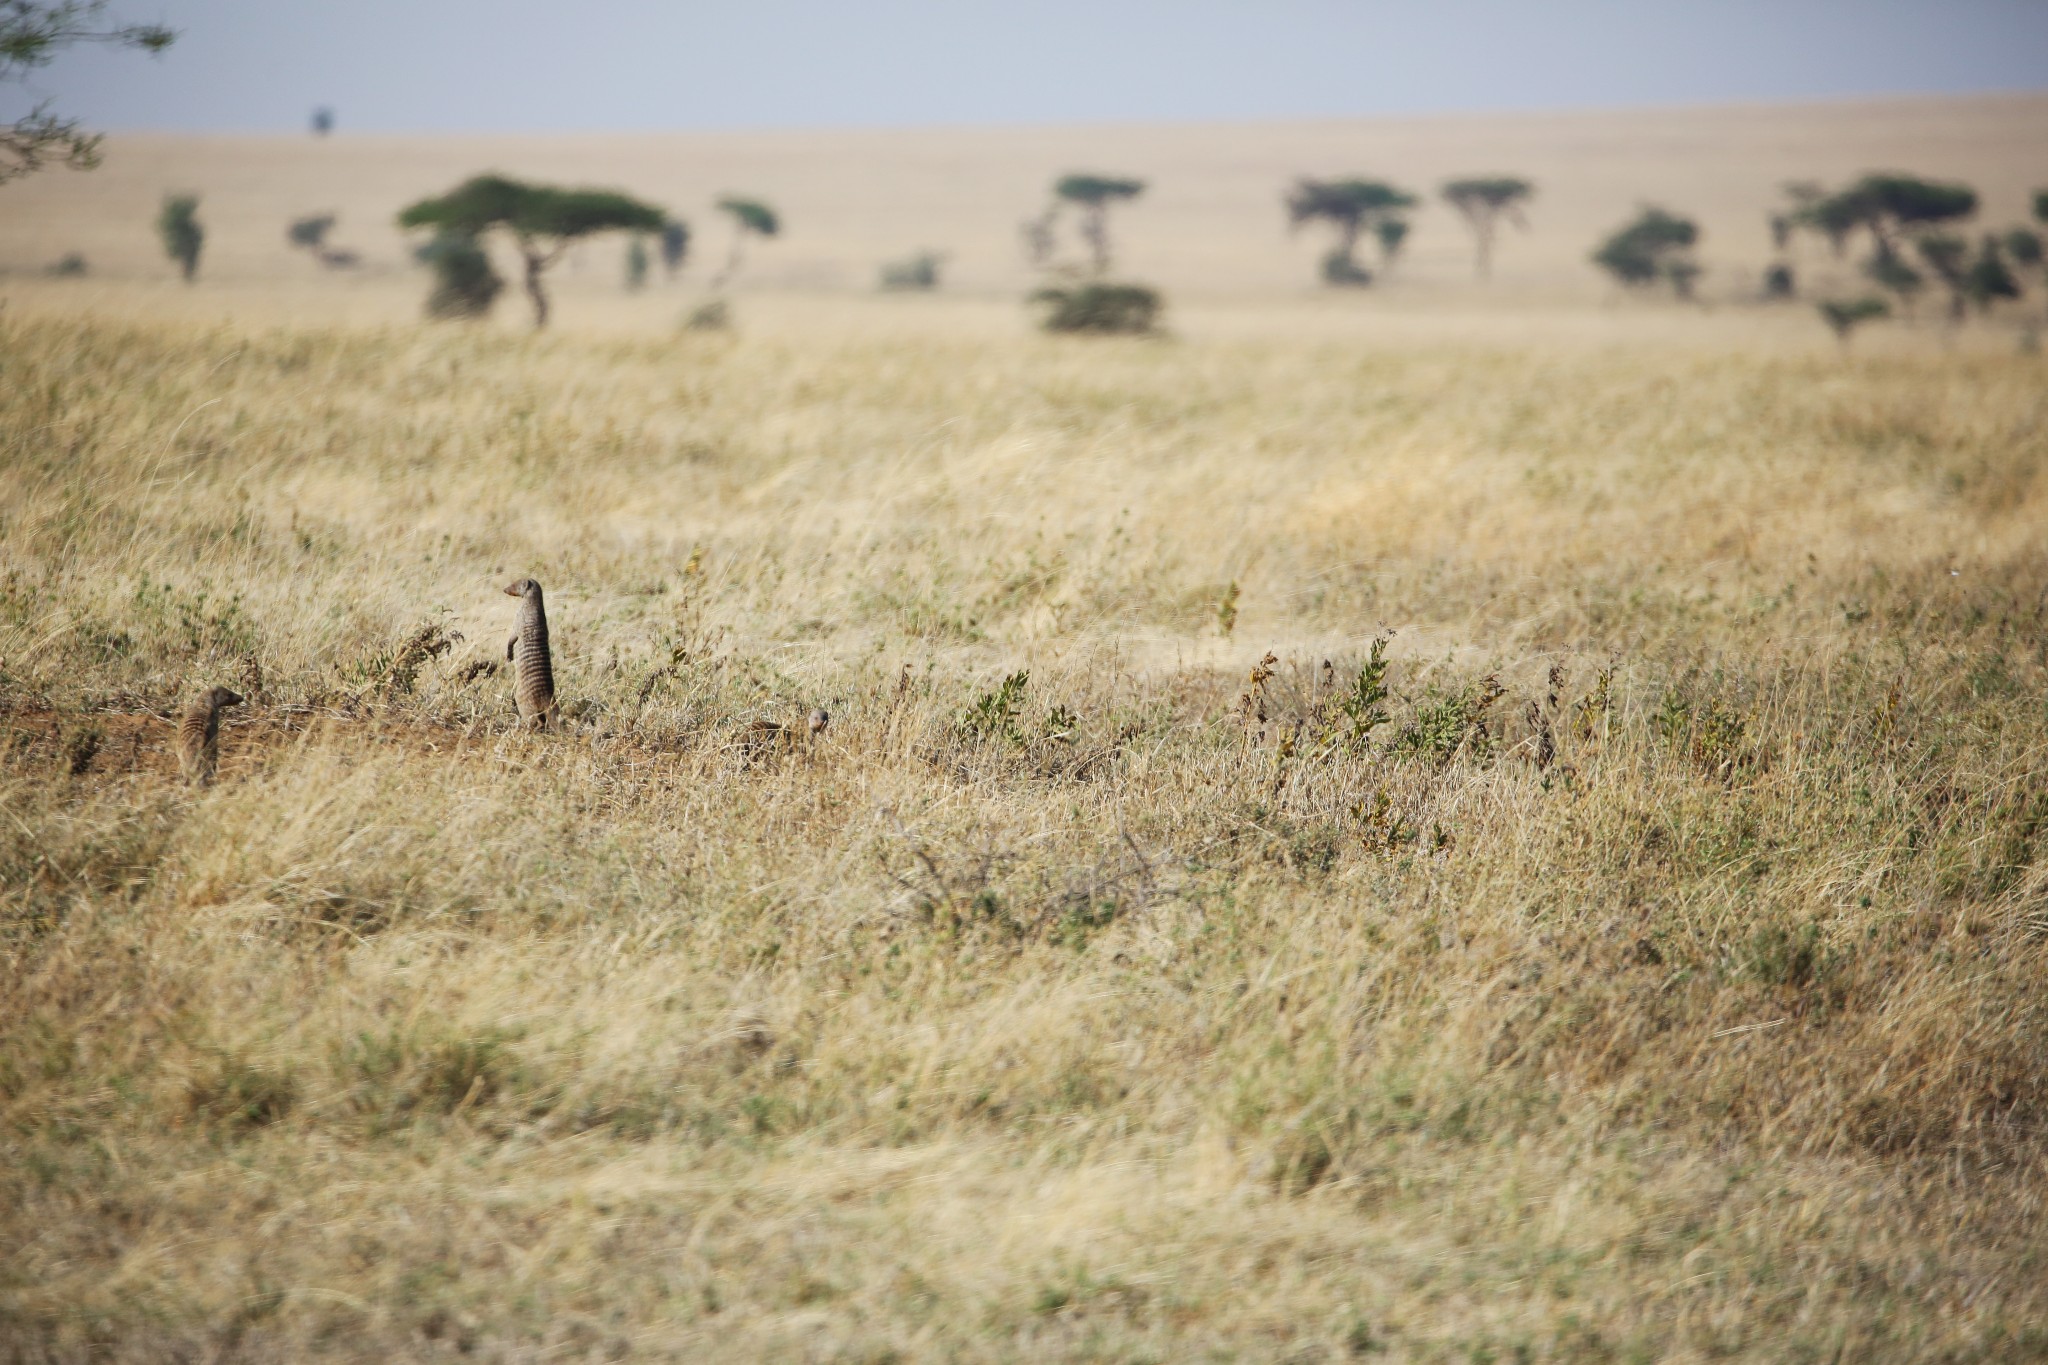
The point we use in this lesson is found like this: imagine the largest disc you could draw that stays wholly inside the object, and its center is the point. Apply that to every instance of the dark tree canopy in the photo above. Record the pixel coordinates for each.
(1093, 191)
(531, 212)
(752, 215)
(1352, 207)
(1889, 206)
(1092, 195)
(2041, 205)
(1656, 246)
(542, 220)
(178, 227)
(1483, 201)
(33, 33)
(748, 216)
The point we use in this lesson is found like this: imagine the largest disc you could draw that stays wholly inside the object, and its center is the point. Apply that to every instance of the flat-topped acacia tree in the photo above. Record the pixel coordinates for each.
(543, 221)
(1352, 207)
(750, 217)
(1483, 201)
(1093, 194)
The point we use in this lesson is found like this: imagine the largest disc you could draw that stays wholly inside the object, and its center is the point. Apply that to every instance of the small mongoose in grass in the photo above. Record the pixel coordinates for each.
(533, 674)
(199, 734)
(819, 720)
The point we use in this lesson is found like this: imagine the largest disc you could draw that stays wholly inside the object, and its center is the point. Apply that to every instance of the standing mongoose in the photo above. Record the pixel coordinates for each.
(533, 674)
(199, 734)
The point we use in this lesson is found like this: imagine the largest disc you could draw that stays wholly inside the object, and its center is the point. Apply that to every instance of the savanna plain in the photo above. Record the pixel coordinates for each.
(1337, 837)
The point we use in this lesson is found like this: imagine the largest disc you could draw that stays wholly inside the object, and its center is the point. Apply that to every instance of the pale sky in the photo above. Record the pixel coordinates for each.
(554, 65)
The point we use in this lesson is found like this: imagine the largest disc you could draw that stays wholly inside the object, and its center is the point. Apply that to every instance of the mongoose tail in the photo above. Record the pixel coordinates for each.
(533, 674)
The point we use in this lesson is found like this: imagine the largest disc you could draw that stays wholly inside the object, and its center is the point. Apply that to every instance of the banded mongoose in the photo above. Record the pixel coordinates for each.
(820, 718)
(533, 674)
(199, 734)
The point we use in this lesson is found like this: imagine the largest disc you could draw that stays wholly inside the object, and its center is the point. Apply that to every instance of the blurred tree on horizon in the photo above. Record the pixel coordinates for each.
(179, 228)
(749, 217)
(466, 285)
(1656, 246)
(1352, 207)
(543, 221)
(31, 35)
(1093, 195)
(1483, 201)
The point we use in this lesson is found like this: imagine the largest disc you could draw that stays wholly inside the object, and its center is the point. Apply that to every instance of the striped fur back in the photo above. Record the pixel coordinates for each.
(534, 666)
(199, 735)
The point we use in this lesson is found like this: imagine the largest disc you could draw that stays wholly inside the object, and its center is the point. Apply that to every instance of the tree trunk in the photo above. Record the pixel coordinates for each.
(535, 263)
(1095, 227)
(732, 262)
(1482, 230)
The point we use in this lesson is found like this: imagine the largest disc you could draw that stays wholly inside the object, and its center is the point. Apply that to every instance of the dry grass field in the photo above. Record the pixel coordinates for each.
(1395, 829)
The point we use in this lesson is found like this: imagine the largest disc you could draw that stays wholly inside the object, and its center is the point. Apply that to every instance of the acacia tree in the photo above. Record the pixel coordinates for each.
(749, 217)
(1484, 201)
(1897, 212)
(542, 221)
(178, 227)
(33, 33)
(1656, 246)
(1352, 207)
(1093, 195)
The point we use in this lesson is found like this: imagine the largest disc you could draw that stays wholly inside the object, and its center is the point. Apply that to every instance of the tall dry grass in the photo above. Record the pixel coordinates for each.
(1646, 963)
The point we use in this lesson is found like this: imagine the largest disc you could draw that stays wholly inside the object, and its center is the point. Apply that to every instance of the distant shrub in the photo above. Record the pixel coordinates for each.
(465, 282)
(1844, 316)
(178, 227)
(1779, 283)
(1988, 278)
(1341, 270)
(1103, 309)
(310, 232)
(1657, 246)
(913, 272)
(69, 267)
(710, 316)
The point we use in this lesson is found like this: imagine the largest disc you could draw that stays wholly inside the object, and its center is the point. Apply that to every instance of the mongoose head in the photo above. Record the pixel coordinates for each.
(522, 587)
(219, 698)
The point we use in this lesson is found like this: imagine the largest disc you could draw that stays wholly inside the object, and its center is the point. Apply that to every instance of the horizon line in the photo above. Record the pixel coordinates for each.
(1762, 104)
